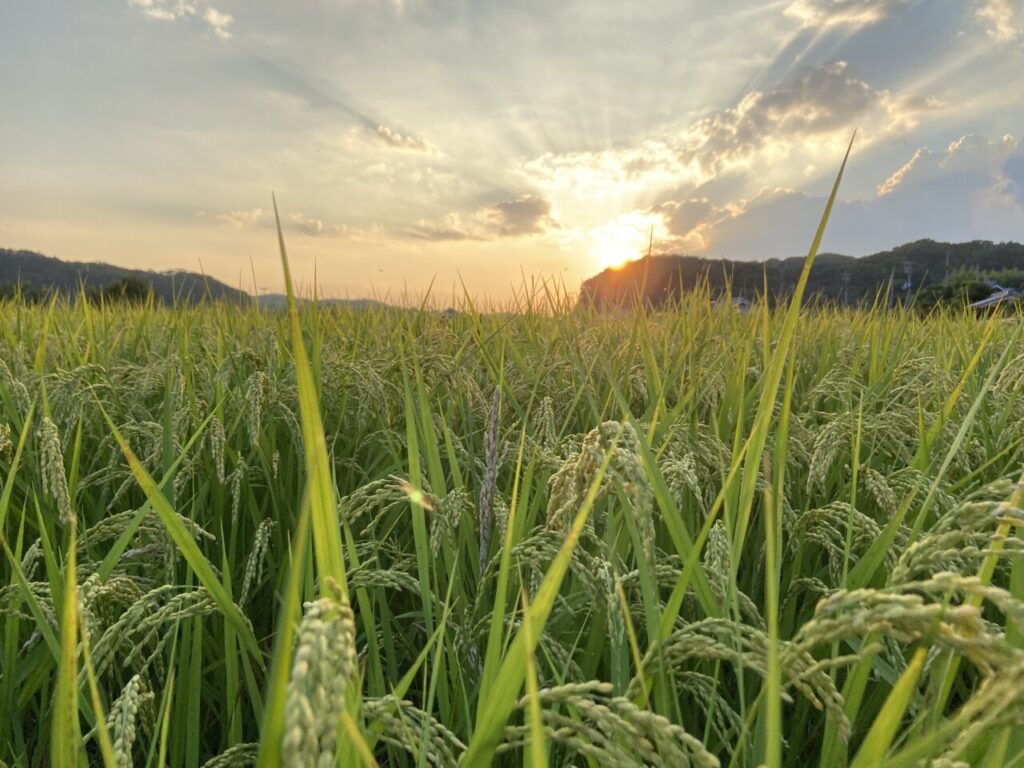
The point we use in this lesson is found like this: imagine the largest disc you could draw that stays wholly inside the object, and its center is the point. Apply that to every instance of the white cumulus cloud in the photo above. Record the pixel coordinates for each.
(404, 141)
(1004, 19)
(218, 22)
(968, 154)
(318, 228)
(173, 10)
(854, 13)
(969, 190)
(812, 115)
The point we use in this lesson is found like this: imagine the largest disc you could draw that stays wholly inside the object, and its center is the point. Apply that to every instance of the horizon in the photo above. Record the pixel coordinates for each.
(533, 288)
(477, 144)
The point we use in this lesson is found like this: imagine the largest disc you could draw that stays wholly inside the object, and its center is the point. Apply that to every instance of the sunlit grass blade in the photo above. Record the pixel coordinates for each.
(746, 464)
(538, 753)
(102, 732)
(322, 501)
(187, 547)
(66, 736)
(12, 473)
(272, 727)
(511, 673)
(495, 635)
(879, 739)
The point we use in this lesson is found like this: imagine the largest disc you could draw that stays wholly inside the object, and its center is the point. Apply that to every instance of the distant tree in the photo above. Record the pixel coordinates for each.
(1007, 278)
(128, 290)
(22, 293)
(961, 289)
(917, 269)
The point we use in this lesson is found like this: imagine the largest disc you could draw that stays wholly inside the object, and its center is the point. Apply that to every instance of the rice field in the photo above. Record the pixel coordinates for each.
(543, 537)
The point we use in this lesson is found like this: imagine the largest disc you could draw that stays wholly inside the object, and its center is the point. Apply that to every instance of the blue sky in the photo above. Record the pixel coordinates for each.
(475, 142)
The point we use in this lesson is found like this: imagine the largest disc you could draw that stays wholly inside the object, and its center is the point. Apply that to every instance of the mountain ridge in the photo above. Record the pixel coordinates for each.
(43, 275)
(47, 275)
(834, 277)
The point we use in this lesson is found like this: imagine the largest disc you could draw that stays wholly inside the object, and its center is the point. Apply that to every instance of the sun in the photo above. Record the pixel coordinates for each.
(622, 239)
(610, 253)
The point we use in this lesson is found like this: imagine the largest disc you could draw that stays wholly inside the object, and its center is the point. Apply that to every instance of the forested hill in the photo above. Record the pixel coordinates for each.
(39, 275)
(834, 277)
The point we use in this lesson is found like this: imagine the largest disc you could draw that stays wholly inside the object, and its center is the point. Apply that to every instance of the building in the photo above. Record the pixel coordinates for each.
(1000, 297)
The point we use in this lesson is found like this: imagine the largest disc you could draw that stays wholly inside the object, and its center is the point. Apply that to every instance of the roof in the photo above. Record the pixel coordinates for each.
(1006, 294)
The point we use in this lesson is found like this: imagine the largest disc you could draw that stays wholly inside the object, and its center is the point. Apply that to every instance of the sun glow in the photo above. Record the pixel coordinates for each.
(624, 238)
(611, 253)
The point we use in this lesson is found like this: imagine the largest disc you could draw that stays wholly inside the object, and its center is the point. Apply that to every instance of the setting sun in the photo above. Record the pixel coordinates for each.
(610, 253)
(463, 383)
(624, 238)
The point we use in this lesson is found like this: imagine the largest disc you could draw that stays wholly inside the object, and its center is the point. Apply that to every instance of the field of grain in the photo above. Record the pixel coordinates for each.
(543, 537)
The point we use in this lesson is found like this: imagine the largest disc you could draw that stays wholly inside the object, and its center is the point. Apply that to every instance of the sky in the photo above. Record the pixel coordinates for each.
(477, 145)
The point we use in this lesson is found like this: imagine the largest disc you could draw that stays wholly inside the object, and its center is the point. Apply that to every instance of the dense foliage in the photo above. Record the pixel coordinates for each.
(545, 537)
(888, 277)
(35, 277)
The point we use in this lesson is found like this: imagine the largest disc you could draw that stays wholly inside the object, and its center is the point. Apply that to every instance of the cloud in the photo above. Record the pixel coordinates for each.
(236, 219)
(812, 113)
(164, 10)
(524, 215)
(969, 154)
(173, 10)
(521, 216)
(1001, 18)
(161, 14)
(683, 218)
(404, 141)
(218, 22)
(317, 228)
(613, 173)
(450, 228)
(973, 189)
(821, 101)
(855, 13)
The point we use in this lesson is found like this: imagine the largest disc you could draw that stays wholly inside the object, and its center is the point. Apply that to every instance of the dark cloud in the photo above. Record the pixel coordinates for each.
(520, 216)
(682, 217)
(525, 215)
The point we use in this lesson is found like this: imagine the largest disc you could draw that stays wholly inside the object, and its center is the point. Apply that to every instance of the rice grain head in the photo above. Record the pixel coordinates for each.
(55, 481)
(488, 488)
(324, 663)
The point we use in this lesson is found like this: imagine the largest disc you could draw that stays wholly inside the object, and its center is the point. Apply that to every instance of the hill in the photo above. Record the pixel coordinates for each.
(834, 277)
(44, 275)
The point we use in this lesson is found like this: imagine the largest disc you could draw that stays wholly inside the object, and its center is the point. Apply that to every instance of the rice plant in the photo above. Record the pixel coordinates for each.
(540, 536)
